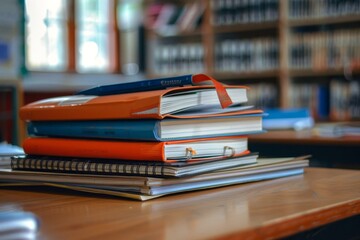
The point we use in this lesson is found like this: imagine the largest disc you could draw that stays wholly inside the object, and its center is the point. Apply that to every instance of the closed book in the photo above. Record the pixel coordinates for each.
(182, 150)
(158, 104)
(119, 167)
(151, 129)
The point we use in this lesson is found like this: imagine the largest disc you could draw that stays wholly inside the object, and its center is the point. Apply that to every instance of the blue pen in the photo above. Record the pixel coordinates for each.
(139, 86)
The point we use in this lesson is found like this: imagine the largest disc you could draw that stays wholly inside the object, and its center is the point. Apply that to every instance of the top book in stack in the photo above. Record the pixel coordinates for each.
(150, 99)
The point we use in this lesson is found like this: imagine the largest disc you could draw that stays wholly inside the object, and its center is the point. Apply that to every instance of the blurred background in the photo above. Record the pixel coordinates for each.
(301, 58)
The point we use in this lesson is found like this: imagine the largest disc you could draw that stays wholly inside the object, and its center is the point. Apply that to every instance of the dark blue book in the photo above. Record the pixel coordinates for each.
(323, 102)
(150, 129)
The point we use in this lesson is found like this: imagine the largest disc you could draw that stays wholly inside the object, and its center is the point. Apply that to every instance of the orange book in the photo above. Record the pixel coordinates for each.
(157, 104)
(194, 149)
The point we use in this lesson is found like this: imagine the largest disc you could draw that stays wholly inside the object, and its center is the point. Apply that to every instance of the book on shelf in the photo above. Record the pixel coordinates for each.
(314, 97)
(145, 188)
(181, 150)
(171, 19)
(151, 129)
(192, 16)
(165, 15)
(175, 57)
(119, 167)
(323, 50)
(156, 104)
(244, 12)
(344, 100)
(247, 55)
(293, 118)
(305, 9)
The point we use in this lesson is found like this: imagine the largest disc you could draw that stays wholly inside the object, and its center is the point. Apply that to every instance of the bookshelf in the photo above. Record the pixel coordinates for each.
(12, 128)
(275, 46)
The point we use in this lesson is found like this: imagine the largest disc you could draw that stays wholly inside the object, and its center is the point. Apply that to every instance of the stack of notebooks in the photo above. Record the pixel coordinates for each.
(145, 139)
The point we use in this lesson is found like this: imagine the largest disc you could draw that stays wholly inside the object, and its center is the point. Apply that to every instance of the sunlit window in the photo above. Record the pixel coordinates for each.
(94, 21)
(46, 35)
(71, 35)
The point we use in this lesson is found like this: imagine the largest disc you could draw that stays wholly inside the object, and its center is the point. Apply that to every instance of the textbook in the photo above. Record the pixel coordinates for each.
(118, 167)
(145, 188)
(156, 104)
(181, 150)
(150, 129)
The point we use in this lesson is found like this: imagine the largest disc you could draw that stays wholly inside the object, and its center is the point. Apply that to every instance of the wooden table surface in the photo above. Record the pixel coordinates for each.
(302, 137)
(274, 208)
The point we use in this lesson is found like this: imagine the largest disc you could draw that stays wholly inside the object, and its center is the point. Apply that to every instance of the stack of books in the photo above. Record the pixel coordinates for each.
(145, 139)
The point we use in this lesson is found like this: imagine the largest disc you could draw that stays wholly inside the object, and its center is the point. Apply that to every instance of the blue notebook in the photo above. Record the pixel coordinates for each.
(150, 129)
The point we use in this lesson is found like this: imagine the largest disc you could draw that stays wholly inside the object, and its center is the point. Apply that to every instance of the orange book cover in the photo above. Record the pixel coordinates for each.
(135, 105)
(133, 150)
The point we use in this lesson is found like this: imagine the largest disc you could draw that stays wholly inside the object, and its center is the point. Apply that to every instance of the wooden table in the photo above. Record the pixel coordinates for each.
(305, 137)
(340, 152)
(268, 209)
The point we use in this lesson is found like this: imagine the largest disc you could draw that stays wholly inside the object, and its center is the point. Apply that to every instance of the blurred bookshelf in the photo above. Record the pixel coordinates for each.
(298, 53)
(12, 129)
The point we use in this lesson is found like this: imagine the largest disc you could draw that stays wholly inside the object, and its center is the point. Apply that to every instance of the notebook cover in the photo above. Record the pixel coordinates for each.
(119, 106)
(109, 149)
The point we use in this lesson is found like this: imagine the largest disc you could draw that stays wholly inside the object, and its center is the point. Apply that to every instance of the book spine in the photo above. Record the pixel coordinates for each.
(68, 166)
(91, 148)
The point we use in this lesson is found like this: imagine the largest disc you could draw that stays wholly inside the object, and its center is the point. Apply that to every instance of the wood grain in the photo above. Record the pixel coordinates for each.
(268, 209)
(302, 137)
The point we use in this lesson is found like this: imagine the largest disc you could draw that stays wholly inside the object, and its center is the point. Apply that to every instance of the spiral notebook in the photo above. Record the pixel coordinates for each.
(118, 167)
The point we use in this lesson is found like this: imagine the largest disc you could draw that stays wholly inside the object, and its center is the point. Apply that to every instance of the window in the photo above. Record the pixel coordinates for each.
(47, 35)
(72, 35)
(95, 34)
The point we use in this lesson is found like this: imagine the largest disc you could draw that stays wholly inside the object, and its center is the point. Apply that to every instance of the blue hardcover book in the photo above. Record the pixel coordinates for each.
(150, 129)
(298, 118)
(323, 101)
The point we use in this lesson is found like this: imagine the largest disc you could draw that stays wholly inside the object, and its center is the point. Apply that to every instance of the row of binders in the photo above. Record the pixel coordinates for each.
(324, 50)
(247, 55)
(227, 12)
(337, 100)
(178, 58)
(303, 9)
(171, 135)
